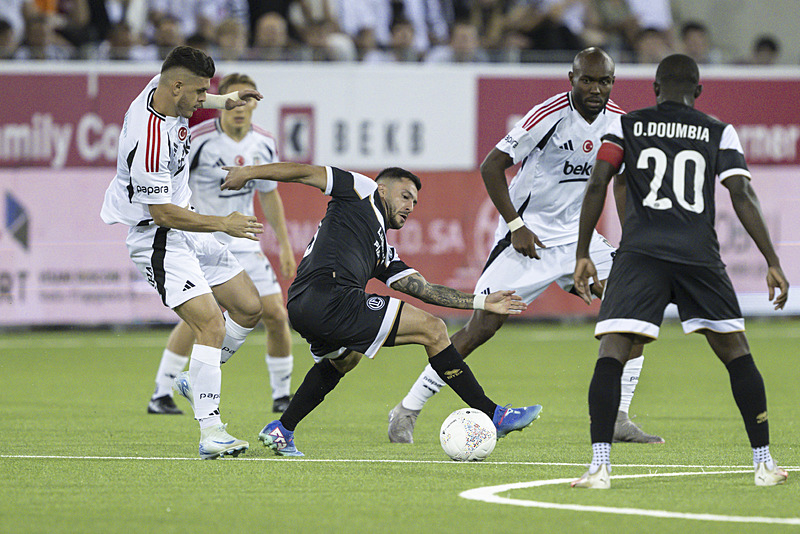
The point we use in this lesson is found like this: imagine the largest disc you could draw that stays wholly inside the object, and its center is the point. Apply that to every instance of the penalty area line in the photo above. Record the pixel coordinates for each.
(489, 494)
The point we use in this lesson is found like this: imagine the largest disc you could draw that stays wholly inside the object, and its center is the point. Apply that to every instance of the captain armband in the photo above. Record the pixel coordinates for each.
(611, 153)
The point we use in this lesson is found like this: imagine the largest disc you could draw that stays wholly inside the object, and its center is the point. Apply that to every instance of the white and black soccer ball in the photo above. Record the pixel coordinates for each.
(468, 435)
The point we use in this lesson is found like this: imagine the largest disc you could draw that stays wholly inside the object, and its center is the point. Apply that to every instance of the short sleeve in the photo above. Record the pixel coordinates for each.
(151, 179)
(348, 185)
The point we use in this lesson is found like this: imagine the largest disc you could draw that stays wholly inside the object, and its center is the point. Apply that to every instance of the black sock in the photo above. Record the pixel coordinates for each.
(455, 372)
(319, 381)
(604, 394)
(751, 398)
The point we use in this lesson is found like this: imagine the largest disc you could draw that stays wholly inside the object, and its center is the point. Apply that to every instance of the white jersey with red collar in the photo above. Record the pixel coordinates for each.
(152, 163)
(557, 149)
(213, 149)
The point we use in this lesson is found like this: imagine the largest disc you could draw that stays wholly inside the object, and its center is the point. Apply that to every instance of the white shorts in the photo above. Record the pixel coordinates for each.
(260, 271)
(180, 265)
(530, 277)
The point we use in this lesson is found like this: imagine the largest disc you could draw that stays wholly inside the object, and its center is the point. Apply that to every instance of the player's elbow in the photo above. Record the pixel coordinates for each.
(160, 216)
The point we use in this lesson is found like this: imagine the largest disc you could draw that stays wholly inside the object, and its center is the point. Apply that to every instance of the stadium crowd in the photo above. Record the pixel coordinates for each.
(369, 31)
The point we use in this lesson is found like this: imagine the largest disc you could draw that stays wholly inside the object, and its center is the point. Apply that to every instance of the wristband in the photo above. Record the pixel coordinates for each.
(479, 301)
(218, 101)
(516, 224)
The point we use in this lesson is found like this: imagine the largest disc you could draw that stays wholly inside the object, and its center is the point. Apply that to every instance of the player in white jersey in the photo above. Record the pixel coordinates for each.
(171, 244)
(556, 143)
(233, 140)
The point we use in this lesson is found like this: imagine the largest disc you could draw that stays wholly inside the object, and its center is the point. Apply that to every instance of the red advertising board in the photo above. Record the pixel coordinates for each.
(768, 122)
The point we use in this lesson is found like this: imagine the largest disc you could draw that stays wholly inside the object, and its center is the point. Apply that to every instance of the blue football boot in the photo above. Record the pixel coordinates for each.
(507, 419)
(279, 439)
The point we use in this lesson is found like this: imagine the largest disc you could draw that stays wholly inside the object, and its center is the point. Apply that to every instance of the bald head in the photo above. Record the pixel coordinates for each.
(592, 56)
(592, 77)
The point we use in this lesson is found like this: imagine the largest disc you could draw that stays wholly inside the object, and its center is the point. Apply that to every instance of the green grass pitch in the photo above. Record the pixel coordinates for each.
(79, 453)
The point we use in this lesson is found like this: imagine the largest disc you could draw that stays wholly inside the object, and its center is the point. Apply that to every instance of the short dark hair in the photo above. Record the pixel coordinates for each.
(396, 173)
(767, 42)
(678, 69)
(195, 61)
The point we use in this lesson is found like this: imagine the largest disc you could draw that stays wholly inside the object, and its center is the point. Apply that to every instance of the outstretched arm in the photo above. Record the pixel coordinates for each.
(501, 302)
(272, 206)
(312, 175)
(748, 209)
(236, 224)
(493, 172)
(231, 100)
(592, 207)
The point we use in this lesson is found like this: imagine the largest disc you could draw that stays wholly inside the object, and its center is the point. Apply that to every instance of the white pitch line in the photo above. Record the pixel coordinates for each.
(489, 494)
(378, 460)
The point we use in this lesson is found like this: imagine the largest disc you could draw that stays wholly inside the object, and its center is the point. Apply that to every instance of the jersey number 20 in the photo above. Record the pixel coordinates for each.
(678, 178)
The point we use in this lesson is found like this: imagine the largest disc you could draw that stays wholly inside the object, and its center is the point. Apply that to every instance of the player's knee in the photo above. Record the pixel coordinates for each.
(274, 317)
(248, 312)
(212, 332)
(436, 333)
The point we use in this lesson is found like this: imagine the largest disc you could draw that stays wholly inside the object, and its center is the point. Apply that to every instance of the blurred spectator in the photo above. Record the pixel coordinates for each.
(167, 35)
(653, 14)
(766, 51)
(199, 41)
(327, 44)
(184, 14)
(651, 46)
(696, 43)
(284, 8)
(122, 44)
(426, 17)
(402, 49)
(611, 25)
(271, 39)
(551, 25)
(488, 17)
(365, 43)
(107, 13)
(14, 12)
(8, 44)
(68, 18)
(210, 13)
(231, 38)
(372, 15)
(42, 42)
(464, 47)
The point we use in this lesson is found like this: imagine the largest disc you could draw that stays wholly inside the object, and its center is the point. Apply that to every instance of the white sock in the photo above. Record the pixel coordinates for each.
(206, 379)
(171, 364)
(630, 377)
(761, 454)
(427, 385)
(280, 375)
(601, 454)
(235, 335)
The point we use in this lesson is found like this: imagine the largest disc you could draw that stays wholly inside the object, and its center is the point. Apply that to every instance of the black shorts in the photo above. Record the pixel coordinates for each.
(639, 288)
(336, 319)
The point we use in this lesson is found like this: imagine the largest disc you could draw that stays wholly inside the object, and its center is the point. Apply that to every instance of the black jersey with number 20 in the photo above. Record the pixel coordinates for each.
(672, 155)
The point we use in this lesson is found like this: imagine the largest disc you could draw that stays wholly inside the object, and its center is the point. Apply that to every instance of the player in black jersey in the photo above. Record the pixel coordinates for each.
(329, 307)
(669, 253)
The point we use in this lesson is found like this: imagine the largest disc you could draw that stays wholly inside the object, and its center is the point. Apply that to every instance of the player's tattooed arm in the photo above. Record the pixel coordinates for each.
(416, 286)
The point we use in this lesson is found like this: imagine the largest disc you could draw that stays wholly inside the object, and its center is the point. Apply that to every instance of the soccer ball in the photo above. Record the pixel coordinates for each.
(468, 435)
